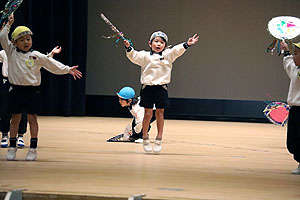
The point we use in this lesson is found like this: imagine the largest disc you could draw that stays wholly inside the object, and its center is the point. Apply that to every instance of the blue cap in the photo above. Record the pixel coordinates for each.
(126, 93)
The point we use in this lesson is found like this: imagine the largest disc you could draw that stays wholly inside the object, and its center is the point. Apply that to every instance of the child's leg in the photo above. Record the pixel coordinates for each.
(14, 125)
(4, 126)
(32, 153)
(159, 113)
(22, 131)
(146, 121)
(32, 119)
(23, 125)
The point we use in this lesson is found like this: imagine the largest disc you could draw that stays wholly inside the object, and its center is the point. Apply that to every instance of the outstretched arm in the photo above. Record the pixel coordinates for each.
(75, 73)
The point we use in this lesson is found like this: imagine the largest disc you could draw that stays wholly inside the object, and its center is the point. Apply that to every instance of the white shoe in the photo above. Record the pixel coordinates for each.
(139, 140)
(4, 142)
(31, 155)
(11, 153)
(20, 142)
(147, 146)
(296, 171)
(157, 146)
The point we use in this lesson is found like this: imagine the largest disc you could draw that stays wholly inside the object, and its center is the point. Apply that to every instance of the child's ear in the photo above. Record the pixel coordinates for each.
(14, 42)
(149, 43)
(129, 101)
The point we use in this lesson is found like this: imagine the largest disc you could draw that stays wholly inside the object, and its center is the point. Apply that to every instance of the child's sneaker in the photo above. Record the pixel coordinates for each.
(20, 142)
(157, 146)
(11, 153)
(296, 171)
(147, 146)
(4, 142)
(139, 140)
(31, 155)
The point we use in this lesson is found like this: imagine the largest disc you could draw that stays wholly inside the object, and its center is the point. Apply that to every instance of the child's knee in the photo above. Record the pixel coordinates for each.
(32, 118)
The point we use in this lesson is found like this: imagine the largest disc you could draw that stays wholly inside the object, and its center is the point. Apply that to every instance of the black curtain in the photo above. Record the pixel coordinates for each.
(58, 23)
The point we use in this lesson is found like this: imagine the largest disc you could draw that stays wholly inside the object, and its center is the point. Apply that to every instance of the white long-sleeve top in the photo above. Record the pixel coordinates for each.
(3, 59)
(155, 68)
(293, 72)
(138, 114)
(24, 68)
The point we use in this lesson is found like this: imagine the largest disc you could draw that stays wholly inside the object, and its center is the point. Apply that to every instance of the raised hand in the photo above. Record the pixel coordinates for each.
(11, 19)
(126, 43)
(284, 46)
(55, 50)
(193, 40)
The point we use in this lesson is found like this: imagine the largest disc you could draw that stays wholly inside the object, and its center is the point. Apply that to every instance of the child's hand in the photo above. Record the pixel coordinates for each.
(75, 73)
(55, 50)
(126, 43)
(193, 40)
(11, 19)
(284, 46)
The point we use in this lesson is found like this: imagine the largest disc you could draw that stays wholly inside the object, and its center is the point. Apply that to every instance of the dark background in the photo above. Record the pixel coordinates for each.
(58, 23)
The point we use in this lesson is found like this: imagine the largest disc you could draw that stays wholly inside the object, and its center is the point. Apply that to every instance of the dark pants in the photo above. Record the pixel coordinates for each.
(6, 117)
(293, 132)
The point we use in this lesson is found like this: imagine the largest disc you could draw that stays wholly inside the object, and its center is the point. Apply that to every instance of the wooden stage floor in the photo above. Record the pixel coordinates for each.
(200, 160)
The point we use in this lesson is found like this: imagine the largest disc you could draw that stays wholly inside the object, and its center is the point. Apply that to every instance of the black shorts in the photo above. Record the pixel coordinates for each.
(24, 99)
(155, 94)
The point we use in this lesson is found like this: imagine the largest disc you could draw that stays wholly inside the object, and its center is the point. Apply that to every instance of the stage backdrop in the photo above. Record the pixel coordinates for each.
(227, 73)
(228, 62)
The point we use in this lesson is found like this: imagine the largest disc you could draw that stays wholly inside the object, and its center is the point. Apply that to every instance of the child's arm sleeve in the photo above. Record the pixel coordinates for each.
(139, 120)
(136, 57)
(289, 65)
(2, 56)
(5, 43)
(176, 52)
(51, 64)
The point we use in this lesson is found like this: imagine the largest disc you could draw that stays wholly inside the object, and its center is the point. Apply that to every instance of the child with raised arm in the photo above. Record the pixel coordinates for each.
(156, 67)
(6, 117)
(24, 75)
(291, 64)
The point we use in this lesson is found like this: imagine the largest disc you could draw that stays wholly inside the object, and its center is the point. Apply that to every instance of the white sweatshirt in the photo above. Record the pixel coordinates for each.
(24, 68)
(138, 114)
(3, 59)
(155, 68)
(294, 74)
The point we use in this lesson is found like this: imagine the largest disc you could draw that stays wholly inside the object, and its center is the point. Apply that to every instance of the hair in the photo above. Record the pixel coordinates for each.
(135, 100)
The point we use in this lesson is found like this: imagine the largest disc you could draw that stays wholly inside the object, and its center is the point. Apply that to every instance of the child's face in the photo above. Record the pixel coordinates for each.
(157, 45)
(124, 103)
(24, 43)
(297, 56)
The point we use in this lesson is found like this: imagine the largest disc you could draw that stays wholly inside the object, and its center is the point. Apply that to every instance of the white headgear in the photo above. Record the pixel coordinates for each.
(159, 34)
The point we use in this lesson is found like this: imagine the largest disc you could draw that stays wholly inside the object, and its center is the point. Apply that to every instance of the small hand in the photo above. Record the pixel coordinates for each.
(193, 40)
(56, 50)
(284, 46)
(75, 73)
(126, 43)
(11, 19)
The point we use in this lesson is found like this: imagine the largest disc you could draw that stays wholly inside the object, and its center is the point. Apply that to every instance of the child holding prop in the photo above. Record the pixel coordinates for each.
(24, 75)
(156, 67)
(291, 64)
